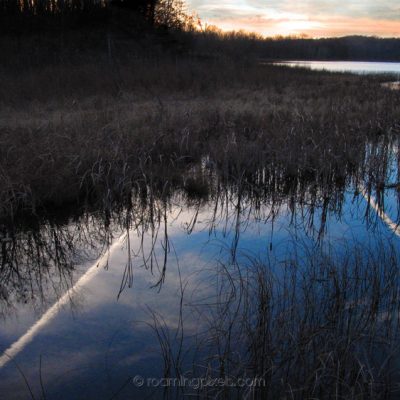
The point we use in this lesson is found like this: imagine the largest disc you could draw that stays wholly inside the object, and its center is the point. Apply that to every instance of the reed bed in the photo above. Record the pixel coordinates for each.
(79, 133)
(116, 131)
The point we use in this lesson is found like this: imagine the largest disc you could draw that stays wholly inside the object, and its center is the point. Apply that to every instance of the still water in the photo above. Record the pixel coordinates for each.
(96, 309)
(357, 67)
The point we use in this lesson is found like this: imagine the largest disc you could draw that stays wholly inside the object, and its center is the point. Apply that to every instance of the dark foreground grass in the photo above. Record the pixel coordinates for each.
(95, 124)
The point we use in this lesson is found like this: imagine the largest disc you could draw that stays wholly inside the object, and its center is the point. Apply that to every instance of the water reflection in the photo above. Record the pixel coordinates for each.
(348, 66)
(219, 270)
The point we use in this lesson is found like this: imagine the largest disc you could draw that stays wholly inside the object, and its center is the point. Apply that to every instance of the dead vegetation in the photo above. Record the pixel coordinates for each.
(77, 133)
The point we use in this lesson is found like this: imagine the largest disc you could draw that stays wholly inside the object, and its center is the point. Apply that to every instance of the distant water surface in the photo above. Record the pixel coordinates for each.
(348, 66)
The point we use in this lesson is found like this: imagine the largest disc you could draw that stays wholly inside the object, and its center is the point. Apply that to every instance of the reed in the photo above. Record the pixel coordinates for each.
(76, 133)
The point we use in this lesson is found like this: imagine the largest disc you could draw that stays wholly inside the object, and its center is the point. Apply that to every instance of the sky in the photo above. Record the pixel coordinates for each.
(314, 18)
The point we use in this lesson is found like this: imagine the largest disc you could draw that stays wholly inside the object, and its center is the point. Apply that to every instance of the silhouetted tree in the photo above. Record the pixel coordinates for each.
(143, 8)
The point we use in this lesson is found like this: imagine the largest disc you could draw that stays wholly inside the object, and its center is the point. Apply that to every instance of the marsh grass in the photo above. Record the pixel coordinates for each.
(86, 131)
(119, 130)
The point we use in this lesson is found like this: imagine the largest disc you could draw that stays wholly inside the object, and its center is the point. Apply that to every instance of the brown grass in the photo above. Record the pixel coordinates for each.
(92, 128)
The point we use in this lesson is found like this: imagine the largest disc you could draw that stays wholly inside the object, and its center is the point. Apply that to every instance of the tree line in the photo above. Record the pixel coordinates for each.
(18, 16)
(356, 48)
(346, 48)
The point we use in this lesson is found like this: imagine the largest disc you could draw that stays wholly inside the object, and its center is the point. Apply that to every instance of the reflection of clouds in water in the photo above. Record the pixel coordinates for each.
(199, 237)
(10, 353)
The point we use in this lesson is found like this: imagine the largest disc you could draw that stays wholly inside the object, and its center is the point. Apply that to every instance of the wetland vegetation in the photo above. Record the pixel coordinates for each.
(252, 198)
(82, 133)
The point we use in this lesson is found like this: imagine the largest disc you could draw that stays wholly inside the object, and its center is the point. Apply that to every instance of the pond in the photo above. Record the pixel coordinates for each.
(247, 278)
(357, 67)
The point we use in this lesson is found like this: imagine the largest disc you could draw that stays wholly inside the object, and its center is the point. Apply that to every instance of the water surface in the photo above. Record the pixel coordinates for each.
(357, 67)
(182, 276)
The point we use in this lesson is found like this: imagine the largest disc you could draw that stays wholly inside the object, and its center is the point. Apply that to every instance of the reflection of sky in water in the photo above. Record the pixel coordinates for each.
(348, 66)
(92, 347)
(391, 202)
(91, 350)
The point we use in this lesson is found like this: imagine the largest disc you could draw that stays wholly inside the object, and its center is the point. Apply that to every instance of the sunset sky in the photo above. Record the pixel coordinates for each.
(315, 18)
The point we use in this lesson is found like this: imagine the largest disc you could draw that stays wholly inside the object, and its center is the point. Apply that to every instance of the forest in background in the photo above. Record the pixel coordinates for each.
(170, 25)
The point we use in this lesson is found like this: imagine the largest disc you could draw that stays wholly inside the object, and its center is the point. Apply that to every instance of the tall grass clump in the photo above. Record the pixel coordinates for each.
(65, 141)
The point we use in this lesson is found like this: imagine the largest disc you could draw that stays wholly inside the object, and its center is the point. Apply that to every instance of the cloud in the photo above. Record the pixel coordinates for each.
(313, 17)
(384, 9)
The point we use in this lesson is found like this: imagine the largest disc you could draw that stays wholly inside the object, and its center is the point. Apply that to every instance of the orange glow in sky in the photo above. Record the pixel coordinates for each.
(314, 18)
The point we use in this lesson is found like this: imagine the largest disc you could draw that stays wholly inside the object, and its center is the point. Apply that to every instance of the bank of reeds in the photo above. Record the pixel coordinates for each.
(92, 131)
